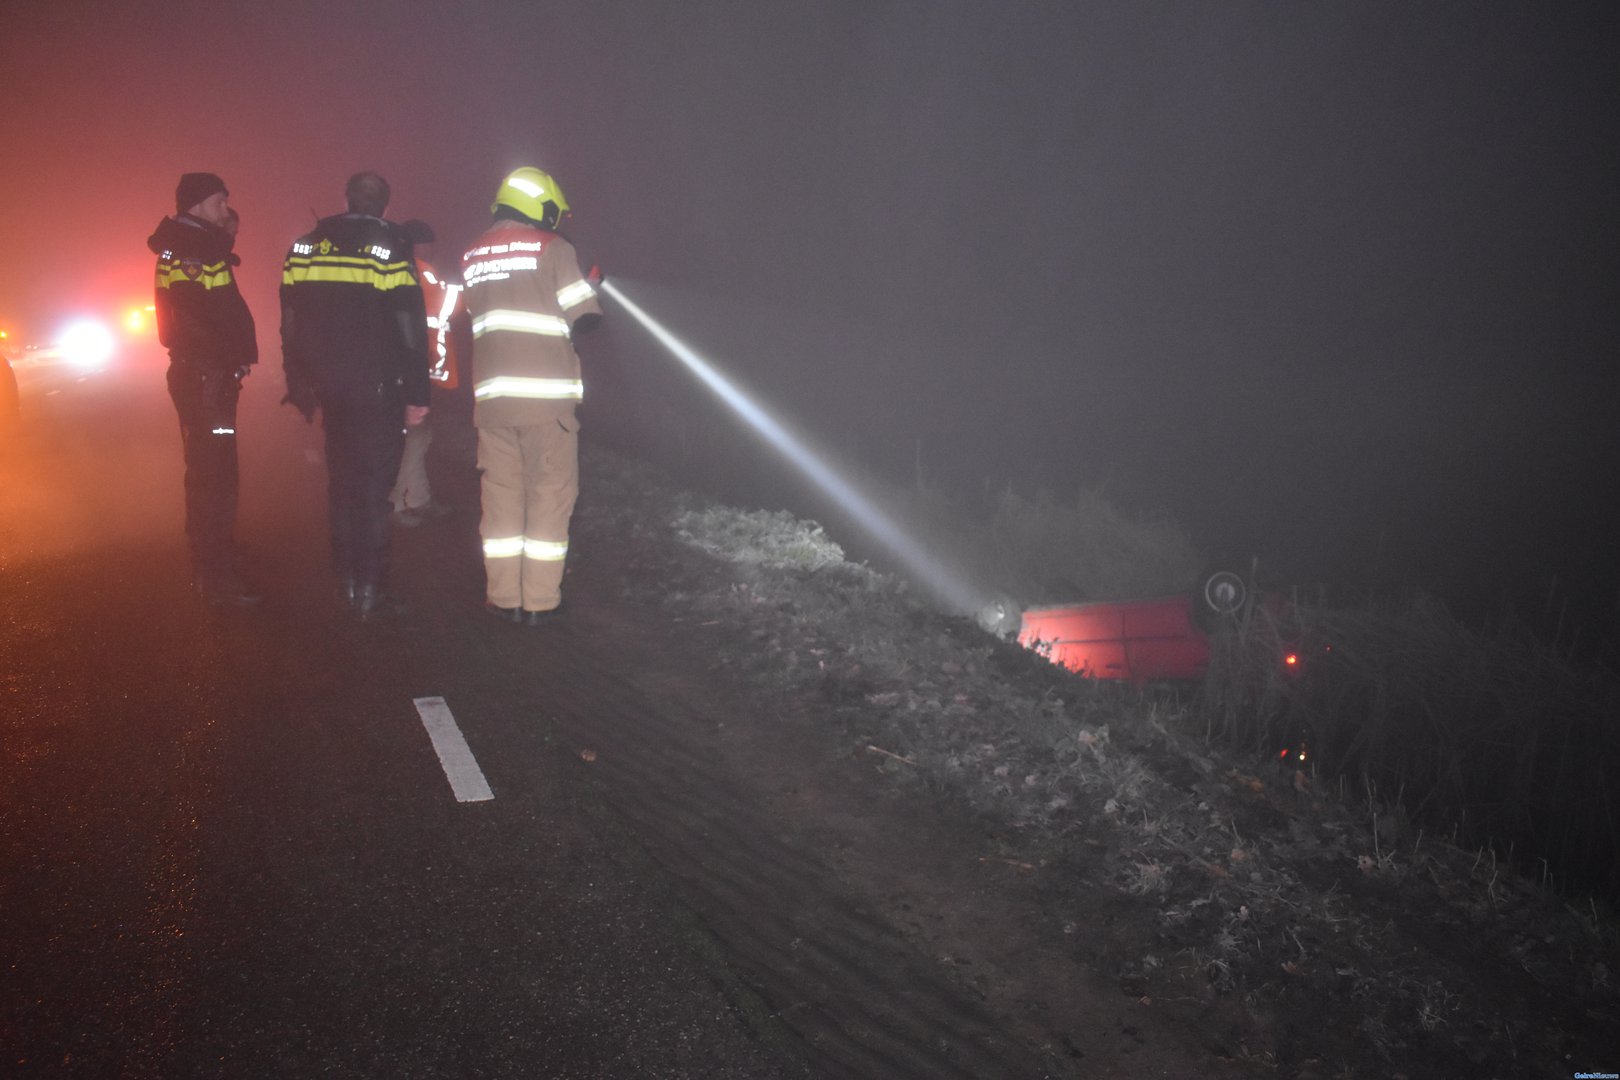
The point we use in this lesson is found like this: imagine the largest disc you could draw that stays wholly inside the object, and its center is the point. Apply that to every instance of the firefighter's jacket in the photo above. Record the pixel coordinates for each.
(201, 317)
(353, 323)
(441, 297)
(525, 295)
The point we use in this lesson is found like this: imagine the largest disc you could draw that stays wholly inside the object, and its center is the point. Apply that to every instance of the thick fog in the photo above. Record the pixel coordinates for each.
(1335, 284)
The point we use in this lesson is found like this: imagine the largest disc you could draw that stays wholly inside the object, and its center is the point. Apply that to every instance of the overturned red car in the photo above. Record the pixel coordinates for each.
(1165, 638)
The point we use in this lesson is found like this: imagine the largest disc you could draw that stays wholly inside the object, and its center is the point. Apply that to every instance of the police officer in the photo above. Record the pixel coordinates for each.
(205, 324)
(354, 344)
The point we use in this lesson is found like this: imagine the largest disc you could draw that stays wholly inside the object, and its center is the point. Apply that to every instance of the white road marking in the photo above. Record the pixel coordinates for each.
(460, 767)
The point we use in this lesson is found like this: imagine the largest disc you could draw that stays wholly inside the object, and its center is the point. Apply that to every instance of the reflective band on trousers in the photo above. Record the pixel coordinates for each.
(507, 547)
(519, 387)
(523, 322)
(546, 550)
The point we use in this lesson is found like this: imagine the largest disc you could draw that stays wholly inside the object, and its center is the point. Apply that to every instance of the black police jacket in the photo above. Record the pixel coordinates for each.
(201, 316)
(353, 325)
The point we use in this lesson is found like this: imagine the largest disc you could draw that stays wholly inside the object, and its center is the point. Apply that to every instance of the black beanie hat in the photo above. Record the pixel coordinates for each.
(194, 188)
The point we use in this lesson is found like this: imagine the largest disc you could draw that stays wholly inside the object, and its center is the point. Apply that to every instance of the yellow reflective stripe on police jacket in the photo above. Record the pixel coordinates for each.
(505, 547)
(522, 322)
(545, 550)
(577, 293)
(343, 268)
(517, 386)
(211, 276)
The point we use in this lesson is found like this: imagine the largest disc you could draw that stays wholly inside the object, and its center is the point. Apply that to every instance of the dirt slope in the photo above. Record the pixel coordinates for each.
(918, 853)
(864, 929)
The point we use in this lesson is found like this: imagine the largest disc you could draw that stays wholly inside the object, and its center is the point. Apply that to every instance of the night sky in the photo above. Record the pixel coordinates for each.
(1333, 284)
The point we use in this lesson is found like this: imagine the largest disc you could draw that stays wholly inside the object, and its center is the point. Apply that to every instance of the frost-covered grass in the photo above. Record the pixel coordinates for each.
(1329, 911)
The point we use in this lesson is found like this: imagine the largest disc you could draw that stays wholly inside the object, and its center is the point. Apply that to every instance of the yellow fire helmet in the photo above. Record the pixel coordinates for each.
(527, 190)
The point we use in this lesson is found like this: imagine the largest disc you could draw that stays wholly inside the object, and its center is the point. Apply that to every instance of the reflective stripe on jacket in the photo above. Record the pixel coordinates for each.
(440, 298)
(524, 292)
(201, 316)
(353, 321)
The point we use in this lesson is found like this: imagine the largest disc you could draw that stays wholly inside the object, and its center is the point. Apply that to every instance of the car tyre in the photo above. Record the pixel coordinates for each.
(1220, 598)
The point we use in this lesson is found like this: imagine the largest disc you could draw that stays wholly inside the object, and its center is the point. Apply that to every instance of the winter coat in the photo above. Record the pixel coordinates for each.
(526, 297)
(201, 317)
(353, 325)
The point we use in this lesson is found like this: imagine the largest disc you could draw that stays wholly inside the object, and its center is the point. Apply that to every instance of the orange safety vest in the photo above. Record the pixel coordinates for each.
(440, 298)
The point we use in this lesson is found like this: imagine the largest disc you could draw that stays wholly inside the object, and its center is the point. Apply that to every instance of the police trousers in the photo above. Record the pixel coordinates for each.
(205, 400)
(364, 437)
(529, 483)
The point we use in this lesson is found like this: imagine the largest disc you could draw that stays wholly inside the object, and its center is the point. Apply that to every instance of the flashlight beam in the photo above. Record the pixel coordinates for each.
(882, 528)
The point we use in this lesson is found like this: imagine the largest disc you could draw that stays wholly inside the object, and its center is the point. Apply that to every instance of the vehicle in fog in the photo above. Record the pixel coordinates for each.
(91, 342)
(1156, 639)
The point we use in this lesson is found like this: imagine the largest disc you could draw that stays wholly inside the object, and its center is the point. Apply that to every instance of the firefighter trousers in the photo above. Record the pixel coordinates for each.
(529, 483)
(205, 400)
(364, 437)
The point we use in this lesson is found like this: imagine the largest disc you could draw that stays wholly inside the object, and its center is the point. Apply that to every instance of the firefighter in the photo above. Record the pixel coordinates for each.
(412, 497)
(528, 300)
(354, 344)
(205, 324)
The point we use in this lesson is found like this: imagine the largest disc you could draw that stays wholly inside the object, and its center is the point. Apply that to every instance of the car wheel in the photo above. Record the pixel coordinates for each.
(1001, 616)
(1221, 597)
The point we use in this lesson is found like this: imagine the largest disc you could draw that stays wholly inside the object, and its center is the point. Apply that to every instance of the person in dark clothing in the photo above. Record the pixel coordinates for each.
(354, 345)
(205, 324)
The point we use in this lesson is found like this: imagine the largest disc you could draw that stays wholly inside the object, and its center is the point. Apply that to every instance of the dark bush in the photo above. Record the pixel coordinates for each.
(1492, 736)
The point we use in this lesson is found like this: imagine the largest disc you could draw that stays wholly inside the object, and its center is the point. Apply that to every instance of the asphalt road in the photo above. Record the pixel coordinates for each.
(227, 845)
(229, 848)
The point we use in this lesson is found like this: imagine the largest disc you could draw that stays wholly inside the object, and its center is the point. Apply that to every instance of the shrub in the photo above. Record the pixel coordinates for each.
(1491, 734)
